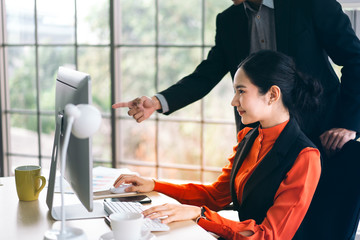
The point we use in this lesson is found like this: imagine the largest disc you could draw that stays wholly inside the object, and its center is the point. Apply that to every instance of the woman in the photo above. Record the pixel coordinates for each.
(274, 170)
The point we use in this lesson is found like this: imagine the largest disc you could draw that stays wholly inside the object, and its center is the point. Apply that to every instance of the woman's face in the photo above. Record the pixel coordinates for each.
(251, 105)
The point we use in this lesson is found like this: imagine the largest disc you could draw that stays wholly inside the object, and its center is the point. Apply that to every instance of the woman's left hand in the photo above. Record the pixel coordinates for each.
(173, 212)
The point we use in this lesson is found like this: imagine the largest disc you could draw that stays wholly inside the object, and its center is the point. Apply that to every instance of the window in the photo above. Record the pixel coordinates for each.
(152, 53)
(130, 49)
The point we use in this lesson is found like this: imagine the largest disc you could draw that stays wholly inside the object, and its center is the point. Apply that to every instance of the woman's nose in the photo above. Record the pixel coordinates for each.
(235, 101)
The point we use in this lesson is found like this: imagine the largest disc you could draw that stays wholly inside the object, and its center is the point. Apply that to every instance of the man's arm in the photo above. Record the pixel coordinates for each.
(189, 89)
(205, 77)
(342, 45)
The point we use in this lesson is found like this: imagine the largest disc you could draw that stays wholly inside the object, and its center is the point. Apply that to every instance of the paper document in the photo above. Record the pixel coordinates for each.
(104, 178)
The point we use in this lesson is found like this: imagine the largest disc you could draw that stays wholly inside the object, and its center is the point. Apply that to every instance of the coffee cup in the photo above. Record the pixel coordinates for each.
(27, 179)
(126, 225)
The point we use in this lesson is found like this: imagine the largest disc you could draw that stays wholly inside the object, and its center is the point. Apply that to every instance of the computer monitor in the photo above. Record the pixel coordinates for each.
(73, 87)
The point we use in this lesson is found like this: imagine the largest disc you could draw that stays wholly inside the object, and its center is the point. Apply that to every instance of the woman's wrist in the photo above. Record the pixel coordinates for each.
(201, 214)
(153, 184)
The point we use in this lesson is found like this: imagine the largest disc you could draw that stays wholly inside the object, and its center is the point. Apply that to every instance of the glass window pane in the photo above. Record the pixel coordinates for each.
(356, 23)
(45, 167)
(174, 64)
(137, 141)
(218, 156)
(354, 16)
(93, 21)
(210, 177)
(97, 163)
(95, 61)
(101, 141)
(179, 174)
(139, 29)
(24, 138)
(217, 104)
(184, 27)
(47, 135)
(56, 21)
(212, 8)
(20, 21)
(206, 52)
(17, 161)
(50, 58)
(137, 73)
(144, 171)
(179, 143)
(1, 32)
(22, 77)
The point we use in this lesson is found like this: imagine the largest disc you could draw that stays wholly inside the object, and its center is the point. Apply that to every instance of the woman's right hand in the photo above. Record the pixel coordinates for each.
(139, 184)
(170, 212)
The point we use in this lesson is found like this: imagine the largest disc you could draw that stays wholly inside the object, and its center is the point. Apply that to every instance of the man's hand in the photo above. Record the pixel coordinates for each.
(334, 139)
(140, 108)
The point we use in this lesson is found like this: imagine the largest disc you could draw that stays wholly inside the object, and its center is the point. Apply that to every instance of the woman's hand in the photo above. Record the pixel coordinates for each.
(139, 184)
(173, 212)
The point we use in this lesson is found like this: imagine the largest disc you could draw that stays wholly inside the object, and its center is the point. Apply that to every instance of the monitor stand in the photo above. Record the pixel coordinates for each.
(78, 211)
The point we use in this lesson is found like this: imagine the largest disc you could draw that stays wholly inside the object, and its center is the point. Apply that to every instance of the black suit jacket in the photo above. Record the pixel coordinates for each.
(307, 30)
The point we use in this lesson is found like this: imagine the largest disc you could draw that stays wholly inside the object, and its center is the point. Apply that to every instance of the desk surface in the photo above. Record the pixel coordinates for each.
(30, 220)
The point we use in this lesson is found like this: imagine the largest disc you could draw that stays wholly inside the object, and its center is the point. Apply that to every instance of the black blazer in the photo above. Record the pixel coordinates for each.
(307, 30)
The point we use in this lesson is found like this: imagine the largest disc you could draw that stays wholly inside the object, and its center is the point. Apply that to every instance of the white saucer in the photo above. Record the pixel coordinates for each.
(145, 235)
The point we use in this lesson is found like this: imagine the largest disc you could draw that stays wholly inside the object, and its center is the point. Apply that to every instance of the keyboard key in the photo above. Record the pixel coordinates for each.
(152, 225)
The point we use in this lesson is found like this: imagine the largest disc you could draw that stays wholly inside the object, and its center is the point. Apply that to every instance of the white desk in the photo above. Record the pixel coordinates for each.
(30, 220)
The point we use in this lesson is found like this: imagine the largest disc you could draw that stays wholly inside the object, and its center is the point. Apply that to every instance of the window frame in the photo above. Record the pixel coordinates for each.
(115, 117)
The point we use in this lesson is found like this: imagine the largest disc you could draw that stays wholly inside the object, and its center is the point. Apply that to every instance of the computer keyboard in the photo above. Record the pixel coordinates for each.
(152, 225)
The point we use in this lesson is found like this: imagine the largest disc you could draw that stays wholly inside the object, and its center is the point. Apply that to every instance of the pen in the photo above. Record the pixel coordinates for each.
(107, 221)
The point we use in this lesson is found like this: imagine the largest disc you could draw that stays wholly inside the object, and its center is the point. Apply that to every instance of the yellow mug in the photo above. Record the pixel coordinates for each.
(27, 180)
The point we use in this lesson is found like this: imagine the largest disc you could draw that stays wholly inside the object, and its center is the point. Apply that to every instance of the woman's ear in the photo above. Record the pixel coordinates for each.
(274, 94)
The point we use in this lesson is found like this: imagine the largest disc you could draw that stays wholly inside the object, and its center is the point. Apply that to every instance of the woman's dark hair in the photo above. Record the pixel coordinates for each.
(299, 92)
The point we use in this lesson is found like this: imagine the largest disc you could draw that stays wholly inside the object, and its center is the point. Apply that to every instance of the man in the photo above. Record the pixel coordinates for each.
(309, 31)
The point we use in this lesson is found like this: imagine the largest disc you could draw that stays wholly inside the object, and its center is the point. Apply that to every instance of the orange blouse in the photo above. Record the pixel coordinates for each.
(291, 200)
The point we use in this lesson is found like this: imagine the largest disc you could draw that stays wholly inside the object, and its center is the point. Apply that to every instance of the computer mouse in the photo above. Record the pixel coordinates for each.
(120, 189)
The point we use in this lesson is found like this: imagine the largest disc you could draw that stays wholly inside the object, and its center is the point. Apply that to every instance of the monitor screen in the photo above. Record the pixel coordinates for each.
(73, 87)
